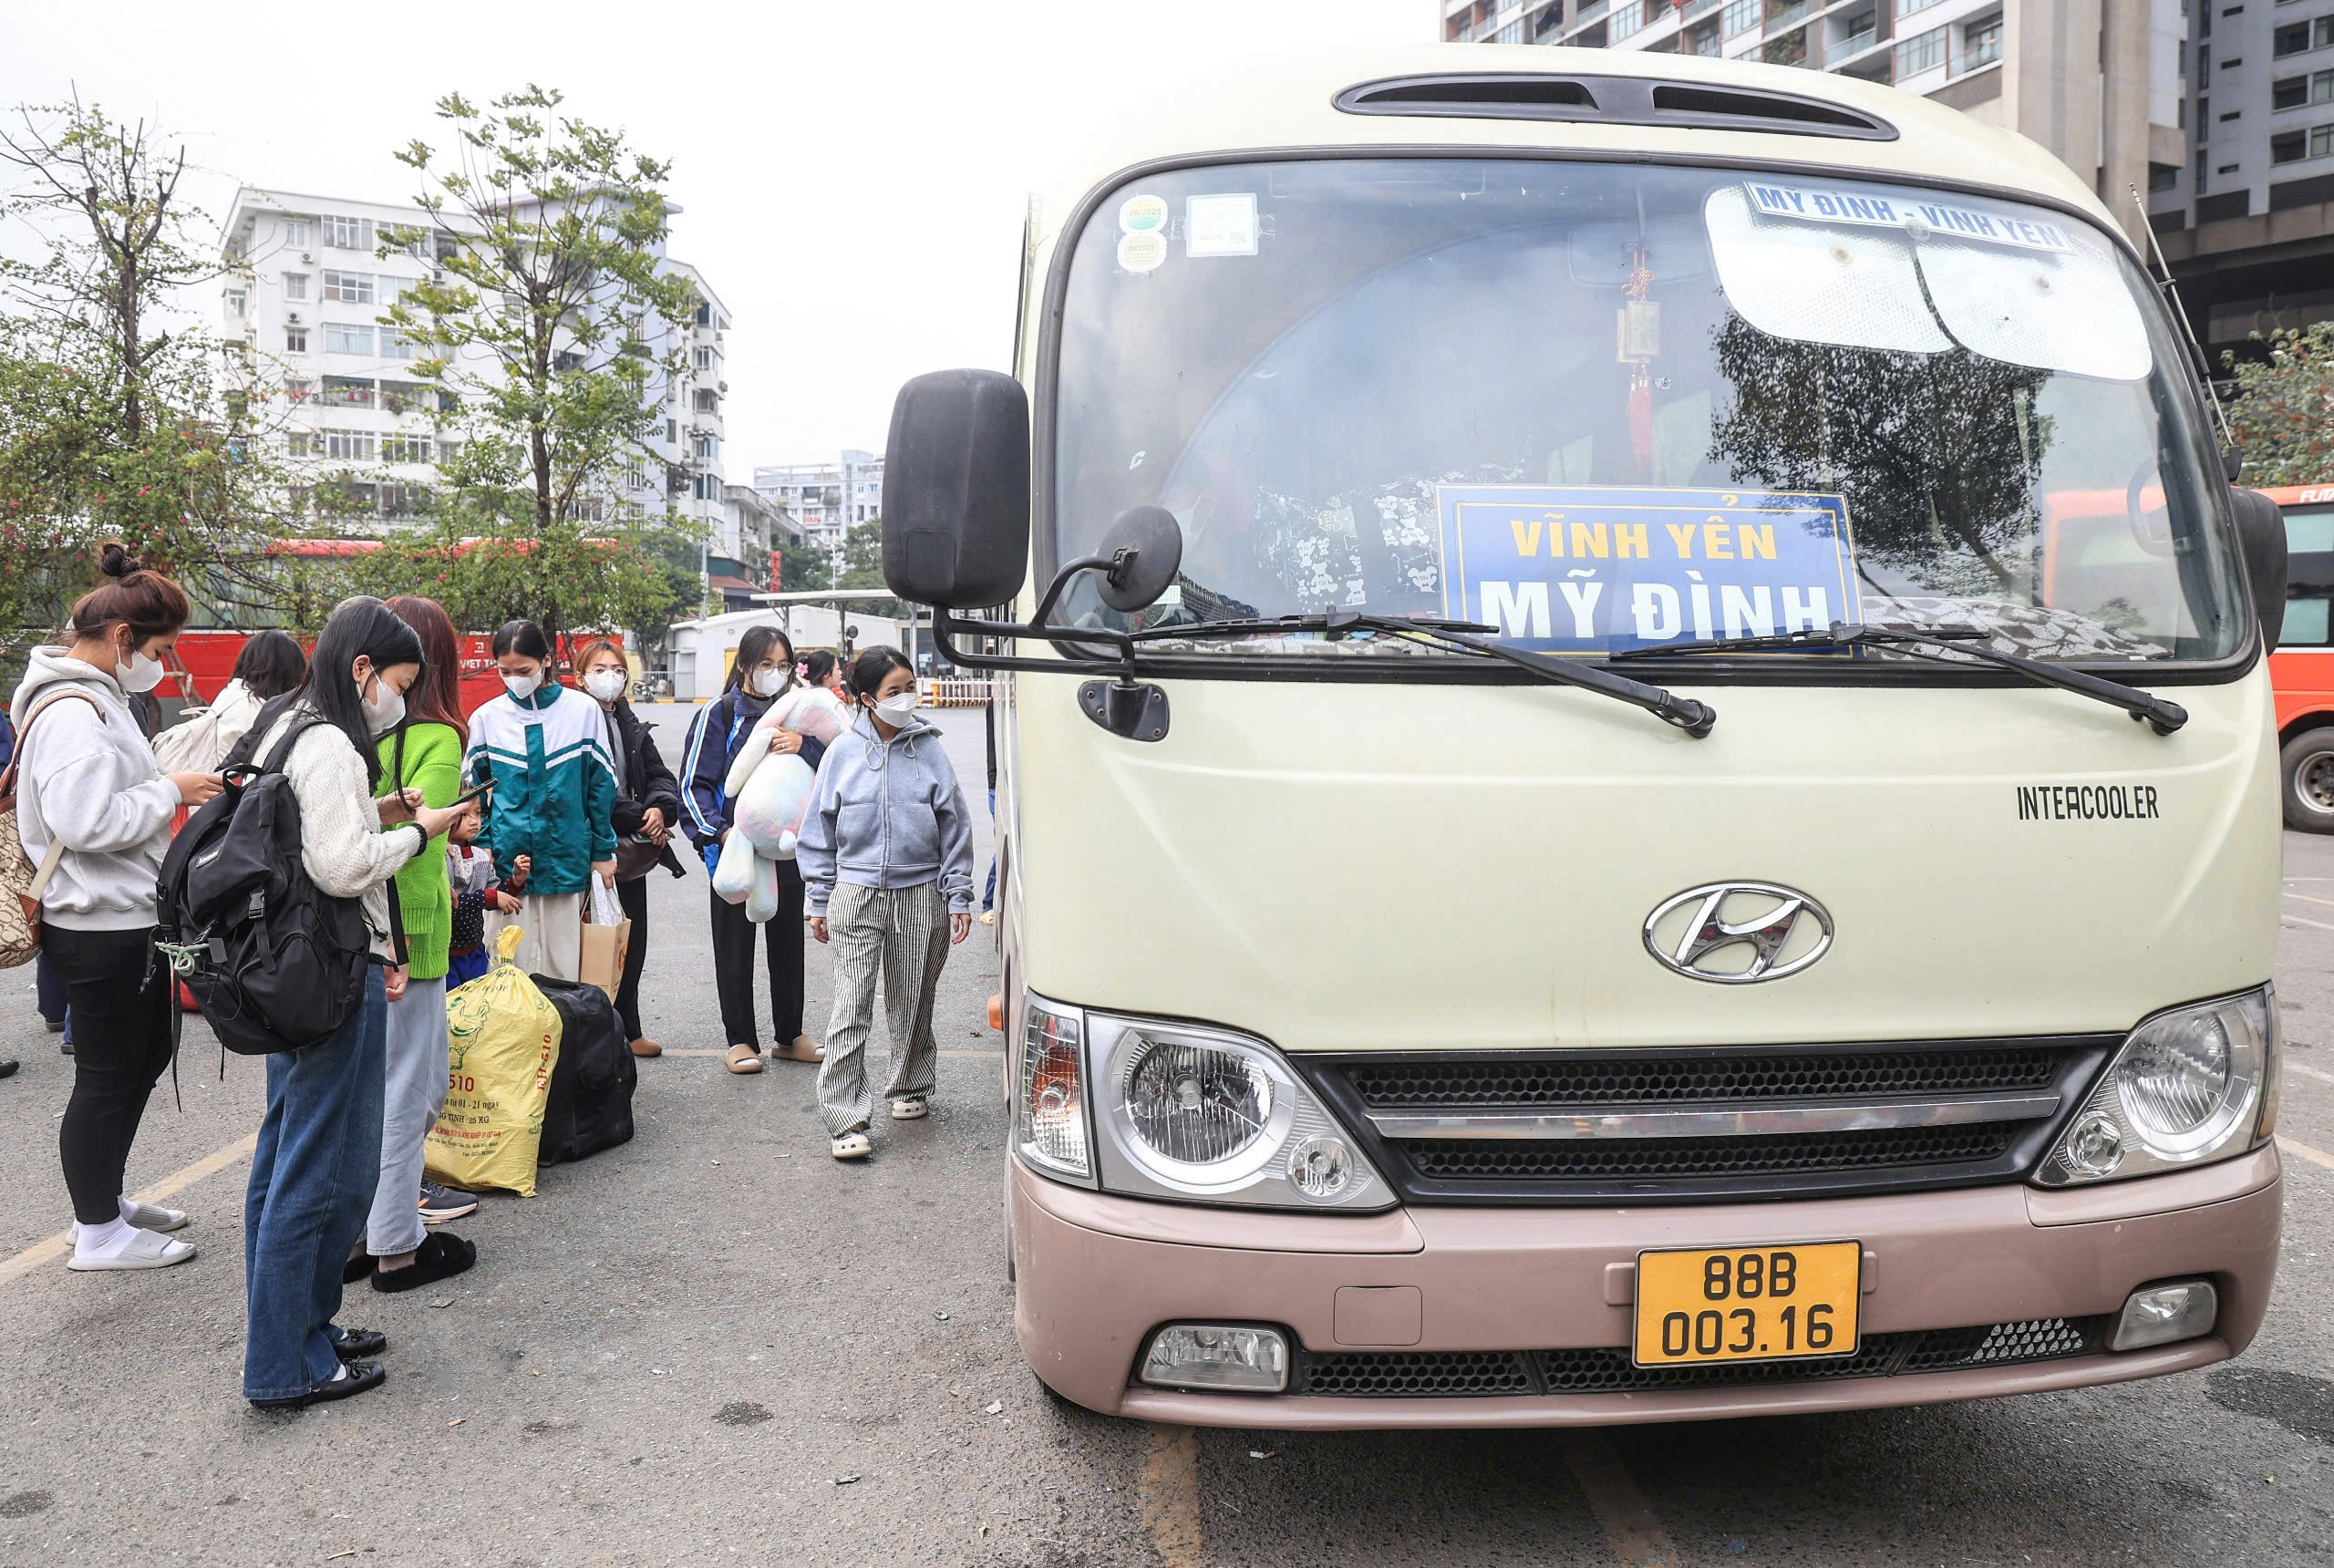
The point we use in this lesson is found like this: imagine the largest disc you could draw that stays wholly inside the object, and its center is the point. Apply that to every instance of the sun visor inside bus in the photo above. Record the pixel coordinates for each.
(1854, 285)
(2065, 308)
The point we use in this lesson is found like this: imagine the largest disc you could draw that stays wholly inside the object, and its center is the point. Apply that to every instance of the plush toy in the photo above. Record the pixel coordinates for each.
(773, 794)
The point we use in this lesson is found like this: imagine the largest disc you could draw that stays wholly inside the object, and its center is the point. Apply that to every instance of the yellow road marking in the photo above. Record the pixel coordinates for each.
(2315, 1156)
(1170, 1495)
(1636, 1536)
(178, 1182)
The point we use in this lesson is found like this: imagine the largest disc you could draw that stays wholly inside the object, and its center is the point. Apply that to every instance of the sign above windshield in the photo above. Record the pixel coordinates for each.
(1831, 205)
(1595, 569)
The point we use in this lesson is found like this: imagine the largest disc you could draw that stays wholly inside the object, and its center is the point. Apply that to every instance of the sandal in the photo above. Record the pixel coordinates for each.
(803, 1049)
(745, 1058)
(910, 1108)
(441, 1255)
(852, 1145)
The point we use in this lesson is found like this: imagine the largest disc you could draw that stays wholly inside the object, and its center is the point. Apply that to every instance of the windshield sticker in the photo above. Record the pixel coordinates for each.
(1222, 225)
(1142, 215)
(1822, 205)
(1143, 252)
(1589, 569)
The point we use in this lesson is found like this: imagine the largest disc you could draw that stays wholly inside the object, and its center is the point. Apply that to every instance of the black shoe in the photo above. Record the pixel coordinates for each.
(56, 1025)
(66, 1049)
(348, 1343)
(356, 1268)
(441, 1255)
(362, 1375)
(8, 1067)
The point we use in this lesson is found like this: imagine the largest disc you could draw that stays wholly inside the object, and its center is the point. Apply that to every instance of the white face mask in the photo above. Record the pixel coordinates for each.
(521, 686)
(770, 682)
(142, 674)
(606, 686)
(897, 709)
(385, 710)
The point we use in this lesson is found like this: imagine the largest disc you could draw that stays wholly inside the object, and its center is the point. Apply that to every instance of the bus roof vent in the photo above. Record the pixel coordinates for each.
(1613, 100)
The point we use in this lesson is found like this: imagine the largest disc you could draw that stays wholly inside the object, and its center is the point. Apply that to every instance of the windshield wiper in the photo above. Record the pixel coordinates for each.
(1694, 717)
(1940, 643)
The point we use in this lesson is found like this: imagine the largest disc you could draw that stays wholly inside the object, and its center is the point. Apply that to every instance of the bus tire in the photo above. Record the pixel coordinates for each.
(2306, 764)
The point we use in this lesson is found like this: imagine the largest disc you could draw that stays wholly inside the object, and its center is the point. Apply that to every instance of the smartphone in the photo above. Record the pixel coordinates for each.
(485, 786)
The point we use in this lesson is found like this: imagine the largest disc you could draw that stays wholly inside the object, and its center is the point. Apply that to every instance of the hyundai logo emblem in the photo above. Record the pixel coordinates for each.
(1738, 934)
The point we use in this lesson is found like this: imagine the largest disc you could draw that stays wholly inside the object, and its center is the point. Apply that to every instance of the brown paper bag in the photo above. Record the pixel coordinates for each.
(607, 936)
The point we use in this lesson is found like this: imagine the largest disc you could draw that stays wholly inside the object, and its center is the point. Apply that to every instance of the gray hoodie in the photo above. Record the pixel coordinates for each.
(86, 777)
(886, 816)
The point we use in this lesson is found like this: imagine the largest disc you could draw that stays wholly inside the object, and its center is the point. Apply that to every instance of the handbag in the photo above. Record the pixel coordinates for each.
(21, 882)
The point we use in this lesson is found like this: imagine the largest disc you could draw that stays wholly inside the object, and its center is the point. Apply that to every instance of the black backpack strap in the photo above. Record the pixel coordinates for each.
(293, 731)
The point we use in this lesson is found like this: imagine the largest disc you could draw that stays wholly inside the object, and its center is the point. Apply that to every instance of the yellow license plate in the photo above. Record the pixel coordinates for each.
(1791, 1302)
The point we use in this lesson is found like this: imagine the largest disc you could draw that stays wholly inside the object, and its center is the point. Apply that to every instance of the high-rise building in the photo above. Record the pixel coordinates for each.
(2248, 223)
(826, 500)
(2098, 82)
(306, 286)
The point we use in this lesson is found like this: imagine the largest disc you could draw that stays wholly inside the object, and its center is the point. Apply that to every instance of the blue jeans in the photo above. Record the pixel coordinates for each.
(313, 1179)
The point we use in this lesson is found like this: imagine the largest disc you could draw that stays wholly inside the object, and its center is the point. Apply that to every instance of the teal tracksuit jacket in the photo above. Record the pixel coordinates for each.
(554, 785)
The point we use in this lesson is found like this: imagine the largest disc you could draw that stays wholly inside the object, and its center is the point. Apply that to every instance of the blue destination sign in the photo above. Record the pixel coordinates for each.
(1586, 568)
(1830, 205)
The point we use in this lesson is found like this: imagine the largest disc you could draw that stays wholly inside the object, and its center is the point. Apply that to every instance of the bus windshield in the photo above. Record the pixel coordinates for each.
(1604, 407)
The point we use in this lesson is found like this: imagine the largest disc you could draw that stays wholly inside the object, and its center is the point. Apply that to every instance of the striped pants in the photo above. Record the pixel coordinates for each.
(903, 934)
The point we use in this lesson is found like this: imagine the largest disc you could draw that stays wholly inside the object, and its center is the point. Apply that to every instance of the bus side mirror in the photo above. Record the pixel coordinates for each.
(2261, 532)
(956, 490)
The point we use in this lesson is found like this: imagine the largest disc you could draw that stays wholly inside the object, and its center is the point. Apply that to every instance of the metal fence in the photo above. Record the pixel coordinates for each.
(955, 692)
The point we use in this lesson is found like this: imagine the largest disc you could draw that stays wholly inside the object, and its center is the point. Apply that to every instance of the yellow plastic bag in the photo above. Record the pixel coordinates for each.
(503, 1039)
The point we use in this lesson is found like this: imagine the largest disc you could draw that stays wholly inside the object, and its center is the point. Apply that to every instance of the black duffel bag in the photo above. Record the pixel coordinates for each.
(589, 1104)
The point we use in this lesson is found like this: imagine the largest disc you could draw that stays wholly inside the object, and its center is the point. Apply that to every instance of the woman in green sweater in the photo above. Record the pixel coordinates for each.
(424, 752)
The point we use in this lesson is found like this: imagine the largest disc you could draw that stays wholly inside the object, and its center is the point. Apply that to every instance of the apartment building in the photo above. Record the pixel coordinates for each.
(306, 283)
(826, 499)
(2247, 222)
(2098, 82)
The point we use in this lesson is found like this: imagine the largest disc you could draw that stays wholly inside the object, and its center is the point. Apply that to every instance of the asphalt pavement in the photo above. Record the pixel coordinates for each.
(717, 1345)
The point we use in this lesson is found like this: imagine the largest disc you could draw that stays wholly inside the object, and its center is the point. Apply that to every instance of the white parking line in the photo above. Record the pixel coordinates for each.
(2307, 899)
(2298, 920)
(2293, 1066)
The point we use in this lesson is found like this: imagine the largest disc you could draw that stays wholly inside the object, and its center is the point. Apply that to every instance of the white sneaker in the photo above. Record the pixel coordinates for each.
(144, 1249)
(910, 1108)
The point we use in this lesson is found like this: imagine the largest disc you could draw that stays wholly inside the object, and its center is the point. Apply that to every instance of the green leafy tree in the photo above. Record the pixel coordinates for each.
(802, 565)
(112, 427)
(2283, 413)
(549, 297)
(862, 567)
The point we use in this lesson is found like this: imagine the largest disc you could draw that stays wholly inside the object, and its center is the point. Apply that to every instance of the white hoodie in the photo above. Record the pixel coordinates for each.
(86, 777)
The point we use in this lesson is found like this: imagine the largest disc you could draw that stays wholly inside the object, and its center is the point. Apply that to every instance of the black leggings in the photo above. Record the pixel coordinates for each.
(121, 996)
(633, 896)
(733, 963)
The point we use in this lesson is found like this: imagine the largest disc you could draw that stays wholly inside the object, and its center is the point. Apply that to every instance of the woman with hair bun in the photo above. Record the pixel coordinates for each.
(92, 804)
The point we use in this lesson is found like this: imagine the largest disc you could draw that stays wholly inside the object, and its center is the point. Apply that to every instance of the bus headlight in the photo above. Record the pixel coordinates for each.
(2191, 1085)
(1204, 1115)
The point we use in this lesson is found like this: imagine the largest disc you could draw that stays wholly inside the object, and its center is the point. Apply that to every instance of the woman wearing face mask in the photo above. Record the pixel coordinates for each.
(887, 862)
(318, 1162)
(423, 751)
(648, 802)
(90, 792)
(763, 670)
(546, 749)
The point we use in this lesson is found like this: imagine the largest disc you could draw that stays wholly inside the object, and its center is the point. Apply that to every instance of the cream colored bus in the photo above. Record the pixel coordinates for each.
(1588, 833)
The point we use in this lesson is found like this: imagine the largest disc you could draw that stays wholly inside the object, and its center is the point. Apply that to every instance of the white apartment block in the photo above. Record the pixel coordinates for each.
(826, 499)
(307, 285)
(2098, 82)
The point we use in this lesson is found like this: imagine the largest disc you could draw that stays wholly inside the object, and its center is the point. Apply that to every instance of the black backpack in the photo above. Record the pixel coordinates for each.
(275, 963)
(589, 1107)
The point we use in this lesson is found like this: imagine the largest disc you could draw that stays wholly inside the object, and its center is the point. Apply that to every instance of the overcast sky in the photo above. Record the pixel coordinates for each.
(852, 175)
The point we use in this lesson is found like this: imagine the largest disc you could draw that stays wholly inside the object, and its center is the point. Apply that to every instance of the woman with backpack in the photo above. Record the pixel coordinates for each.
(545, 748)
(90, 795)
(424, 752)
(887, 855)
(269, 665)
(318, 1162)
(648, 805)
(762, 672)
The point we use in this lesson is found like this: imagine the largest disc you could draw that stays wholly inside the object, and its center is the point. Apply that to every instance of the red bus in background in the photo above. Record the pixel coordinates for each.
(206, 660)
(2302, 668)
